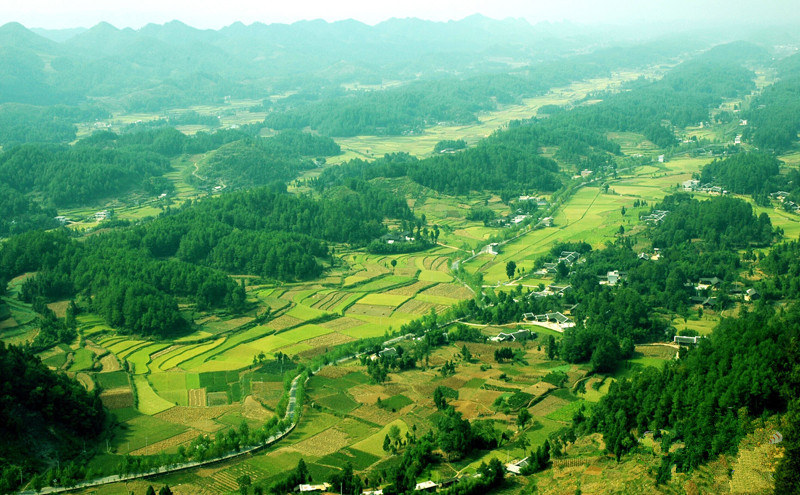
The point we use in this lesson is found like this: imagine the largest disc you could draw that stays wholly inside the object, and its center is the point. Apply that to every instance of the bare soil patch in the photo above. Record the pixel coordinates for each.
(344, 323)
(172, 442)
(329, 340)
(322, 444)
(370, 310)
(197, 397)
(283, 322)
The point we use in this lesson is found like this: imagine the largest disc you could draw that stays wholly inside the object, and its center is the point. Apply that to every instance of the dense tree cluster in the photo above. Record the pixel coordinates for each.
(21, 123)
(69, 176)
(744, 173)
(709, 397)
(260, 161)
(774, 116)
(31, 394)
(19, 213)
(723, 221)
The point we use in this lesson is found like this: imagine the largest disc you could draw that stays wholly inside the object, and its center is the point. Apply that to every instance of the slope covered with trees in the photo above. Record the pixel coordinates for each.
(43, 414)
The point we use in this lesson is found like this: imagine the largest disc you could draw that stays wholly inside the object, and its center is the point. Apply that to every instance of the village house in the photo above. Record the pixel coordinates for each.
(691, 185)
(389, 351)
(491, 248)
(613, 278)
(656, 217)
(517, 466)
(312, 488)
(426, 486)
(685, 340)
(751, 295)
(559, 290)
(556, 317)
(517, 336)
(568, 257)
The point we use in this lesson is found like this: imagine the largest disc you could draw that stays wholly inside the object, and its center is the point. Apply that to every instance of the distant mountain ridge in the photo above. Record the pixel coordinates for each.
(142, 69)
(174, 65)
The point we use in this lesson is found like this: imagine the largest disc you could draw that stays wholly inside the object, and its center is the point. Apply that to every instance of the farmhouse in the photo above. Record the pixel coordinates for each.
(550, 267)
(547, 221)
(559, 290)
(682, 339)
(708, 283)
(557, 317)
(523, 334)
(751, 295)
(312, 488)
(389, 351)
(492, 248)
(395, 236)
(519, 219)
(102, 215)
(568, 257)
(61, 219)
(517, 466)
(426, 486)
(614, 277)
(691, 185)
(656, 217)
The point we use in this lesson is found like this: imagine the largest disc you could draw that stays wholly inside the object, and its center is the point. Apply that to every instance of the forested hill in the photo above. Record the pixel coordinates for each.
(175, 65)
(774, 117)
(37, 178)
(511, 159)
(44, 416)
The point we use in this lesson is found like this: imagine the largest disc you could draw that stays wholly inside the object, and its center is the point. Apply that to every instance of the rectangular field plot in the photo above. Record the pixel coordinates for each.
(305, 313)
(142, 431)
(385, 283)
(115, 379)
(340, 403)
(434, 276)
(370, 310)
(383, 300)
(358, 459)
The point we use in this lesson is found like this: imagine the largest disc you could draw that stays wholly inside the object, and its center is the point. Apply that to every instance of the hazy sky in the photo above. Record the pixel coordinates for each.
(218, 13)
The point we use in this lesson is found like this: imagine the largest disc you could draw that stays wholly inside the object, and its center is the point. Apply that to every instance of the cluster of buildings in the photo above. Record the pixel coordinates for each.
(566, 257)
(559, 319)
(656, 217)
(788, 205)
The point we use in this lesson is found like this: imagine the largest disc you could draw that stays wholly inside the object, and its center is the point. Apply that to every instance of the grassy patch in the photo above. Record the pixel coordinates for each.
(115, 379)
(82, 360)
(396, 402)
(339, 403)
(359, 459)
(148, 401)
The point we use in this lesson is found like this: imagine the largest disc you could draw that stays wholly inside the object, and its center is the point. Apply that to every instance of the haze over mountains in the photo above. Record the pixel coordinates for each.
(174, 64)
